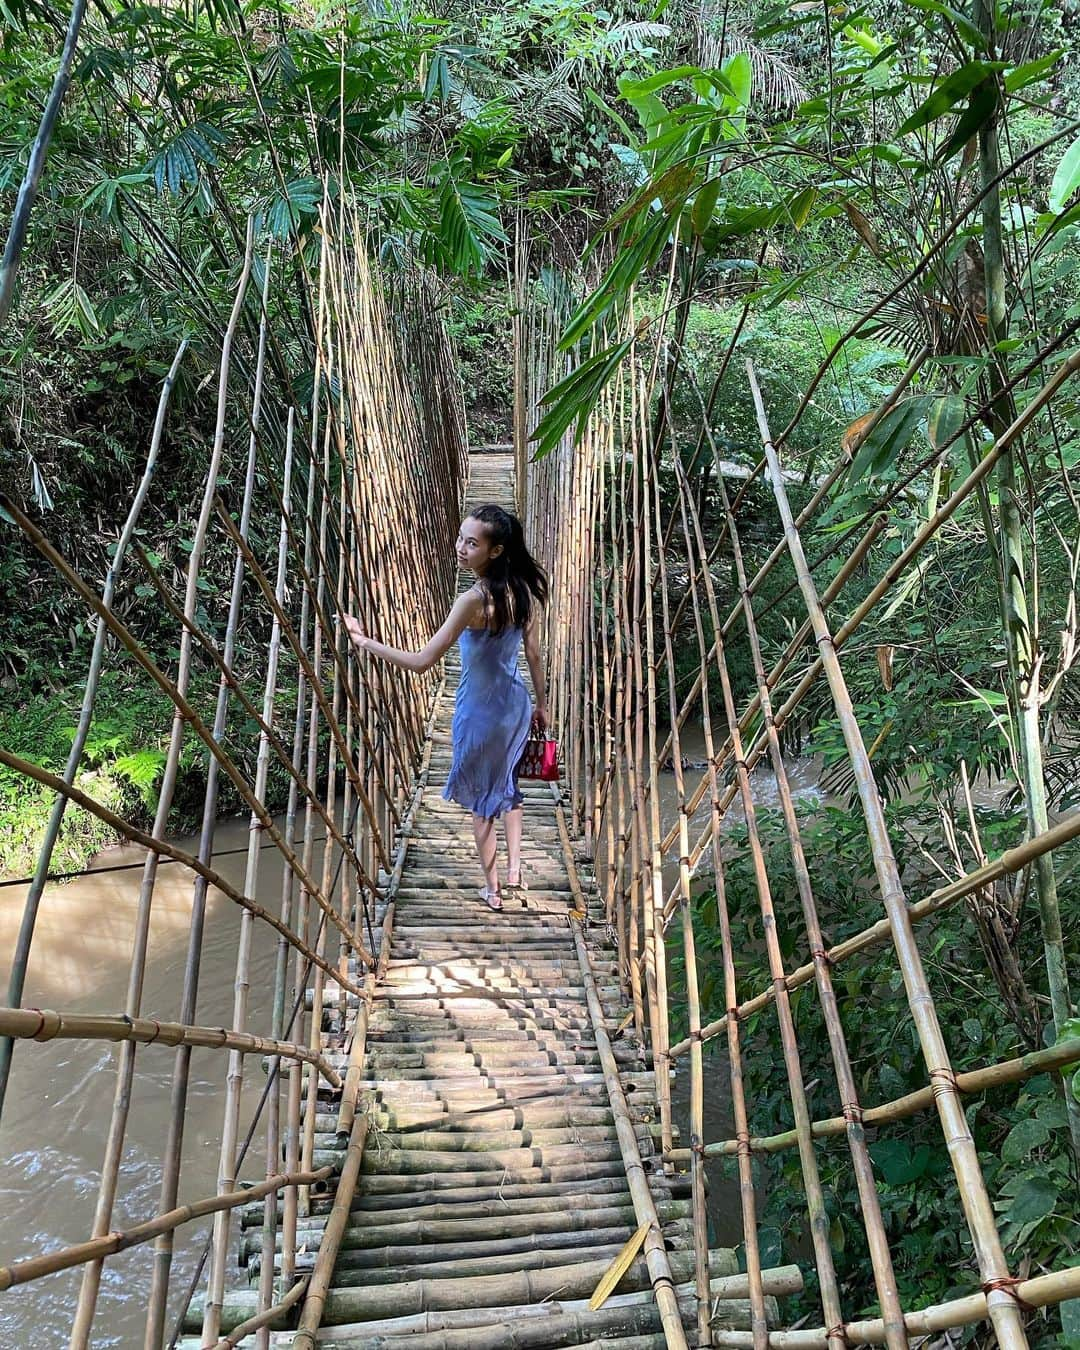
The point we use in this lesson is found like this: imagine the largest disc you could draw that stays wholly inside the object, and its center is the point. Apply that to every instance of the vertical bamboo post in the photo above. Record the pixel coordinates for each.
(1001, 1305)
(880, 1257)
(170, 1178)
(91, 1280)
(21, 955)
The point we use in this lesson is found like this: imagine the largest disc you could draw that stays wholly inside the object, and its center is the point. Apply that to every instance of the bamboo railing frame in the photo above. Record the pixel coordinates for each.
(384, 445)
(379, 452)
(636, 691)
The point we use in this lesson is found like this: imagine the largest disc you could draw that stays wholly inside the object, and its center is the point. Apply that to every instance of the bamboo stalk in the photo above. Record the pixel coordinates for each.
(95, 1249)
(157, 847)
(873, 1224)
(35, 165)
(21, 955)
(170, 1183)
(974, 1081)
(273, 1115)
(88, 1291)
(262, 1319)
(45, 1024)
(655, 1256)
(1003, 1310)
(1040, 1292)
(697, 1085)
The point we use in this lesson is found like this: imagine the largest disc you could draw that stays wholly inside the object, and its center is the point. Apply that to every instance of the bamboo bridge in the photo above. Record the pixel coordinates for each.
(466, 1135)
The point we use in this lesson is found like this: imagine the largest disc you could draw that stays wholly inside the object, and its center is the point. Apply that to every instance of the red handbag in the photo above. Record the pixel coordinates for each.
(540, 758)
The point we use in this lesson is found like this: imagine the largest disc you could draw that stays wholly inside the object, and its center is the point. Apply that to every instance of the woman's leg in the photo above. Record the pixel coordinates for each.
(513, 827)
(487, 848)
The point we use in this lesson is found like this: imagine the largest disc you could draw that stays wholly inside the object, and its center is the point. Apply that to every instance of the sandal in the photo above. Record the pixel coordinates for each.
(489, 897)
(521, 885)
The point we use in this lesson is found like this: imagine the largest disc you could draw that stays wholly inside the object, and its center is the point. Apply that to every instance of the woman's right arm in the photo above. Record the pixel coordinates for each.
(536, 668)
(467, 609)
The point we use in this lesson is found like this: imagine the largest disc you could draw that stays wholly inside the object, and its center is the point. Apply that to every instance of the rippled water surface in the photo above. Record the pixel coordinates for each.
(60, 1100)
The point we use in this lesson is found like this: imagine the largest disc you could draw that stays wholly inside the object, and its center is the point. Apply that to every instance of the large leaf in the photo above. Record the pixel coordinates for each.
(638, 254)
(900, 1164)
(1066, 177)
(945, 418)
(1032, 71)
(284, 212)
(1035, 1199)
(635, 89)
(573, 398)
(981, 107)
(1024, 1137)
(889, 438)
(951, 91)
(469, 224)
(176, 165)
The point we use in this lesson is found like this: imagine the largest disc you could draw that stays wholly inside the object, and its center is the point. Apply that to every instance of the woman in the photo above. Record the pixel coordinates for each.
(493, 712)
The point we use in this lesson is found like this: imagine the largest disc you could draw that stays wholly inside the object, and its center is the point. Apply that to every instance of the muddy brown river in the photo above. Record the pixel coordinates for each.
(60, 1099)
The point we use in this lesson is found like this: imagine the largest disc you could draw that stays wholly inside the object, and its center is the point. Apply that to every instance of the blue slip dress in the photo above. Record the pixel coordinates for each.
(492, 716)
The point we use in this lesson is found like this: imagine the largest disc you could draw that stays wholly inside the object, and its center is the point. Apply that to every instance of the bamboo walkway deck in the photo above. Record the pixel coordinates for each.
(493, 1191)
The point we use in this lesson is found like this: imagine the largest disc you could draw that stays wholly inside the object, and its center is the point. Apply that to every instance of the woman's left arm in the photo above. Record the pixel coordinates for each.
(536, 670)
(467, 608)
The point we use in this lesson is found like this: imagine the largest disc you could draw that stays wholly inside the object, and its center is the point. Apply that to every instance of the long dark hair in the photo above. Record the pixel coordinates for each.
(515, 580)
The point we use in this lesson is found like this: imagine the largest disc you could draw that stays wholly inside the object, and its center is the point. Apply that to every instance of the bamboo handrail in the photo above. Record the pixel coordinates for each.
(1039, 1292)
(184, 709)
(969, 1082)
(22, 1272)
(156, 846)
(48, 1024)
(1011, 861)
(1002, 1309)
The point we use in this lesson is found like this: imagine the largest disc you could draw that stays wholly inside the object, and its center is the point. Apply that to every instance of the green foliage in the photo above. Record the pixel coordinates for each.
(1021, 1135)
(121, 767)
(481, 331)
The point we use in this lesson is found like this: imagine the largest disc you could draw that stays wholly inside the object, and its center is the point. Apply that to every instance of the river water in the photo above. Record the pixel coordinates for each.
(60, 1098)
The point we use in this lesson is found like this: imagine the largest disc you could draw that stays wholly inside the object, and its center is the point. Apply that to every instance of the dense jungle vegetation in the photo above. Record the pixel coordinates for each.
(840, 191)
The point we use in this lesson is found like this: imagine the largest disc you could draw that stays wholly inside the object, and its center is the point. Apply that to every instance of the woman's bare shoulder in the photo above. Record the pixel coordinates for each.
(475, 604)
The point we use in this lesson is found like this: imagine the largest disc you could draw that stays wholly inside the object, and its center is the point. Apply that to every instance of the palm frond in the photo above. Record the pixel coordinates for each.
(776, 82)
(634, 37)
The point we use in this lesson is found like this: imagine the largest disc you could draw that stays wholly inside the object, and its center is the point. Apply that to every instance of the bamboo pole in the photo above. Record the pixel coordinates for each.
(1010, 862)
(1040, 1292)
(277, 1017)
(23, 1272)
(160, 848)
(47, 1024)
(1059, 1056)
(185, 713)
(697, 1084)
(88, 1291)
(21, 955)
(170, 1183)
(1001, 1305)
(873, 1224)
